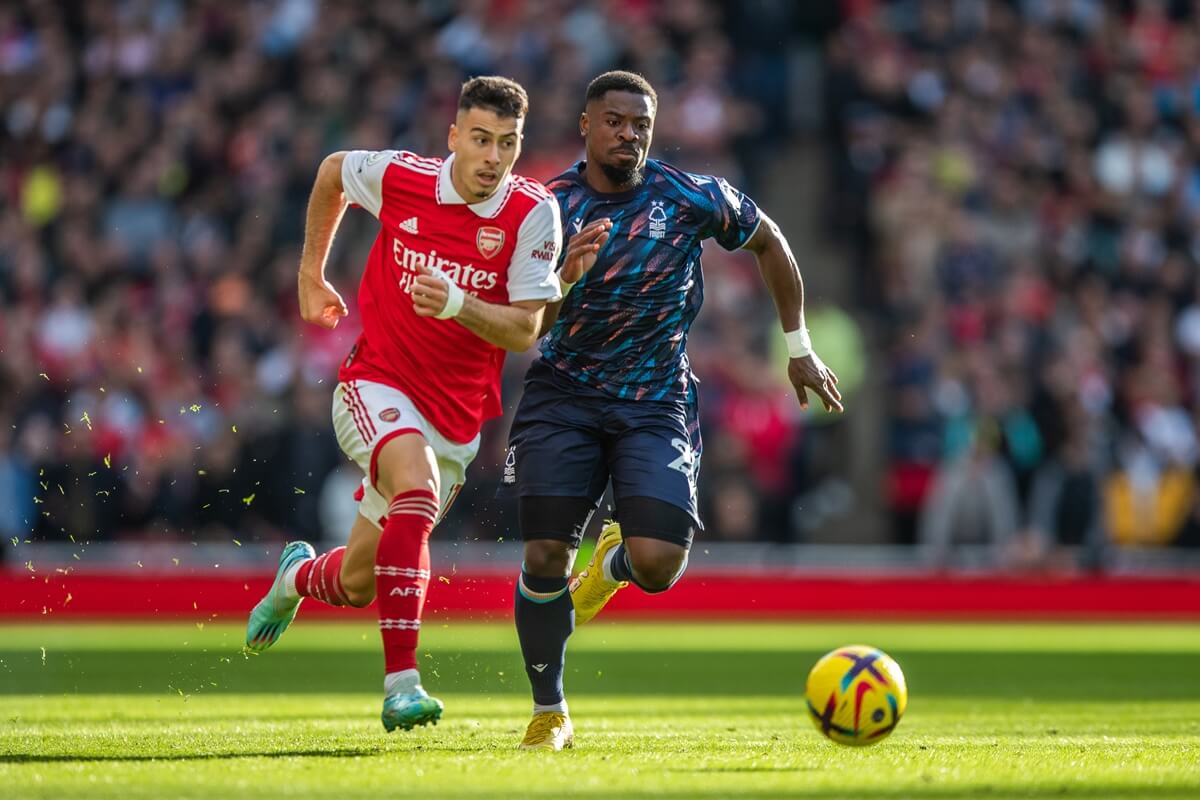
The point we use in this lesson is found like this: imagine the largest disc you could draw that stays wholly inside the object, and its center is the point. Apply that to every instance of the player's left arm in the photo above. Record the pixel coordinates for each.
(532, 283)
(736, 222)
(782, 276)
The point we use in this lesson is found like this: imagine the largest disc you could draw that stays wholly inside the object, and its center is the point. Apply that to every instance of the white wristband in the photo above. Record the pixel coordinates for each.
(564, 287)
(798, 343)
(455, 297)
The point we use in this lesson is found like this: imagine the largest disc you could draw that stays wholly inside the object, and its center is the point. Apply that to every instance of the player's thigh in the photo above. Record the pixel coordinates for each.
(556, 449)
(453, 459)
(561, 491)
(379, 429)
(404, 463)
(654, 463)
(358, 564)
(411, 462)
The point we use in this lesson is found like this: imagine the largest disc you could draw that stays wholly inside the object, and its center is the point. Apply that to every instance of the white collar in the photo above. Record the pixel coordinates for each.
(448, 195)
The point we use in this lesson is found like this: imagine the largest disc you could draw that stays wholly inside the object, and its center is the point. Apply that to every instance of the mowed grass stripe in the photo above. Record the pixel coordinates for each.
(661, 711)
(275, 746)
(939, 661)
(359, 633)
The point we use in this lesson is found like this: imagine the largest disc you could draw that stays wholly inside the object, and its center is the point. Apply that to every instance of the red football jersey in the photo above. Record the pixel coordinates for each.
(503, 250)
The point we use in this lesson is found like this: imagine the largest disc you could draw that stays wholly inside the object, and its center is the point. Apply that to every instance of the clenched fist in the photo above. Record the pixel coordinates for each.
(320, 303)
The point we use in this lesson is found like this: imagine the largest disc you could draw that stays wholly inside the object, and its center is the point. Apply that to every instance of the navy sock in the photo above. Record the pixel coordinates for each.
(545, 619)
(619, 566)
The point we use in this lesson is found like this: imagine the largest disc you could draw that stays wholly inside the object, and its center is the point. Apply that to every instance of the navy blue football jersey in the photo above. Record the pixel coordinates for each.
(623, 330)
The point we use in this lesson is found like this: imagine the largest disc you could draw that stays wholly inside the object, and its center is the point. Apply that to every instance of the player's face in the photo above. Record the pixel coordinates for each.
(485, 147)
(618, 127)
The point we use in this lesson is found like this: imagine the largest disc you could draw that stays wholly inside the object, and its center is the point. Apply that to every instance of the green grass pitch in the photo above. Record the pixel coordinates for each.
(696, 710)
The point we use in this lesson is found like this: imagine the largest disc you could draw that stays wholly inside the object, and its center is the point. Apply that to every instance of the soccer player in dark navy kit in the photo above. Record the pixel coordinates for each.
(612, 397)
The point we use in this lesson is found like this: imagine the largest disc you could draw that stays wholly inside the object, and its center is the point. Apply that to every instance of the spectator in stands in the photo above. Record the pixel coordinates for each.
(1024, 177)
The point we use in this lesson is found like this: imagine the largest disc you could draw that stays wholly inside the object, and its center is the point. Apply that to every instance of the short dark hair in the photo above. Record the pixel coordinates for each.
(504, 96)
(619, 80)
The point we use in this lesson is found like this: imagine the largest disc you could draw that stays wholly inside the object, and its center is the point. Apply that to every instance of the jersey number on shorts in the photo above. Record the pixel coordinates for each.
(686, 463)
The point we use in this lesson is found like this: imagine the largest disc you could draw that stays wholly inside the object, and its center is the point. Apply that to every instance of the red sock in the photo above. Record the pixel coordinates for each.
(321, 578)
(402, 575)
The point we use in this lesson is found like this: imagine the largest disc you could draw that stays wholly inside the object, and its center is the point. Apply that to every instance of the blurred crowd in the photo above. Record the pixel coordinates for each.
(1022, 182)
(1018, 182)
(155, 163)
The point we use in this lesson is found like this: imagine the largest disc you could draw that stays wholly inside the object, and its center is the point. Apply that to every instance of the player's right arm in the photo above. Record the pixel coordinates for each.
(508, 326)
(532, 283)
(580, 257)
(320, 303)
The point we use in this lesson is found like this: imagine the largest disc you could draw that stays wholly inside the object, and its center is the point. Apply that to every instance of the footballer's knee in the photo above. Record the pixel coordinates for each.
(552, 527)
(547, 558)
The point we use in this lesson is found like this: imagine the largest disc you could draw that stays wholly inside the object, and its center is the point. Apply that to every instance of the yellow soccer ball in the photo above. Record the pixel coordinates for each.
(856, 695)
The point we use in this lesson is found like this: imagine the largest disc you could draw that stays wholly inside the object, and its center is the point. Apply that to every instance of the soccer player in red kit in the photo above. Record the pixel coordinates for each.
(460, 273)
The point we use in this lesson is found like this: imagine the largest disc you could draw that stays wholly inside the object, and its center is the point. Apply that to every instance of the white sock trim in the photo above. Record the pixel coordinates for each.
(289, 581)
(406, 681)
(560, 707)
(606, 565)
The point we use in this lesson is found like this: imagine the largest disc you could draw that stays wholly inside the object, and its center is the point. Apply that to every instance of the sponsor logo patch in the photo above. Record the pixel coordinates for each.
(389, 414)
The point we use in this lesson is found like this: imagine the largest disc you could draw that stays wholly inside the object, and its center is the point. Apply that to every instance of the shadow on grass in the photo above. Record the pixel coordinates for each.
(1109, 792)
(1033, 676)
(747, 769)
(66, 758)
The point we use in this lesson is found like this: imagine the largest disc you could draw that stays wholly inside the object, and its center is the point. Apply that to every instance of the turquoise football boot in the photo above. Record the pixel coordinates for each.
(271, 617)
(406, 711)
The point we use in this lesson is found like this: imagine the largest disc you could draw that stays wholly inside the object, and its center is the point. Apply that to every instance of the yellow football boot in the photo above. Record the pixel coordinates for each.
(590, 590)
(549, 730)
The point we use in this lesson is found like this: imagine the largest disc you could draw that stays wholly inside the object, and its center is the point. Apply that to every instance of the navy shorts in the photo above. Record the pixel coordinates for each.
(567, 444)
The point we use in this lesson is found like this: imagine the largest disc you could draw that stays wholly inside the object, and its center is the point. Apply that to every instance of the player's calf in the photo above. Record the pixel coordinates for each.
(359, 589)
(357, 574)
(657, 536)
(654, 566)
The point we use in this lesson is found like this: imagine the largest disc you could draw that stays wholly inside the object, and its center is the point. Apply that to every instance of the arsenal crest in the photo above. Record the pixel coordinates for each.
(489, 240)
